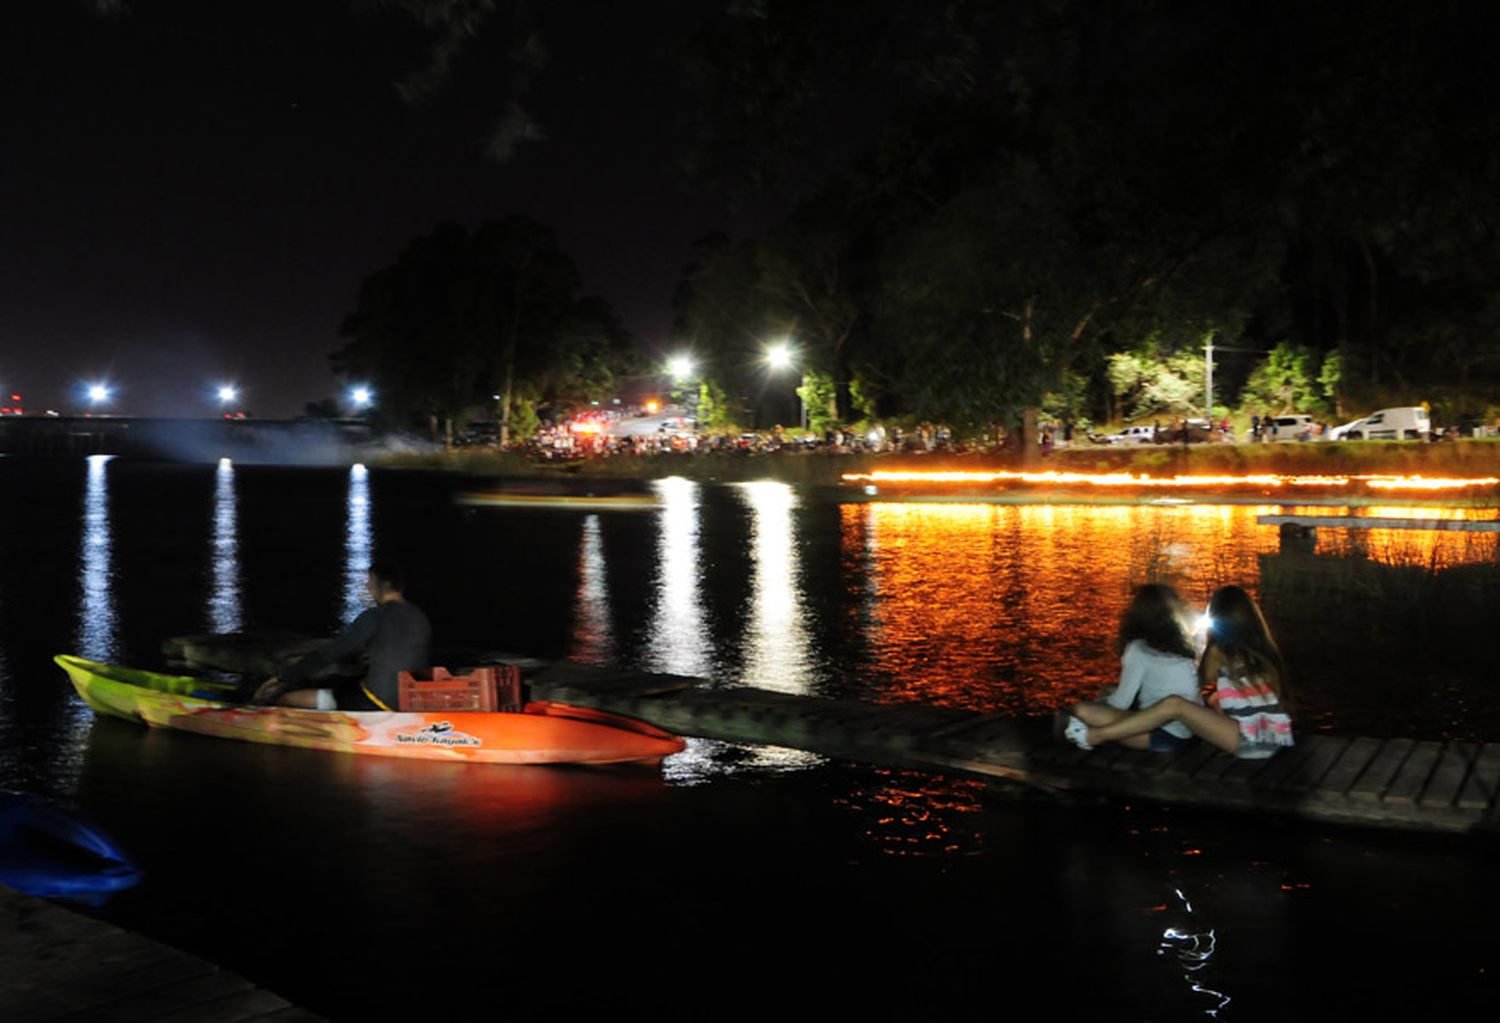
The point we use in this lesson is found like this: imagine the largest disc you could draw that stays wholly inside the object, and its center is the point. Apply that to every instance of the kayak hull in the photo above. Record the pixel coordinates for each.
(543, 733)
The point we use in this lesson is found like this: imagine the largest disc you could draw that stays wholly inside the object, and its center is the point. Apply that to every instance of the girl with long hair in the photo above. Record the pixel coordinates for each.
(1156, 661)
(1247, 713)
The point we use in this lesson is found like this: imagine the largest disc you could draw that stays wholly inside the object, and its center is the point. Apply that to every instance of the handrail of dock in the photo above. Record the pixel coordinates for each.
(1372, 522)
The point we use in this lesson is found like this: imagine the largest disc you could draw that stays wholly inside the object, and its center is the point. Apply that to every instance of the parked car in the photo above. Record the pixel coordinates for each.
(1133, 435)
(1405, 423)
(1293, 427)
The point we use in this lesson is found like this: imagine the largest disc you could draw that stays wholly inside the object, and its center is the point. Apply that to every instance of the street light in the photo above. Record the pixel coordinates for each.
(228, 394)
(361, 397)
(779, 356)
(681, 367)
(98, 393)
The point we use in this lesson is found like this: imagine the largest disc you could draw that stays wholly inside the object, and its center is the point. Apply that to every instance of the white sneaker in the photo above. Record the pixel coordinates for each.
(1077, 733)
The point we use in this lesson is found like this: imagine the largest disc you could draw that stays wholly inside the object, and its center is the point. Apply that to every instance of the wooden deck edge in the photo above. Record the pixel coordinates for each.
(55, 963)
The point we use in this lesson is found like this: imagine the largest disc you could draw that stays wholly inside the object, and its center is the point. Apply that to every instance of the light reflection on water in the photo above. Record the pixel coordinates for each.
(97, 625)
(593, 637)
(224, 600)
(678, 634)
(358, 543)
(777, 654)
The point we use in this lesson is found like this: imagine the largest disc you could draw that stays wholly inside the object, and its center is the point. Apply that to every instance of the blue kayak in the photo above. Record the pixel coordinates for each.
(48, 852)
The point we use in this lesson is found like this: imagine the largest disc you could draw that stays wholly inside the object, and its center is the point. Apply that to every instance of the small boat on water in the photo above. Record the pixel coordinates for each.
(541, 732)
(548, 498)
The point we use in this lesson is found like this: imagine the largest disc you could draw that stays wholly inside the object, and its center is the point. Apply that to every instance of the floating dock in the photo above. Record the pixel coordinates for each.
(1389, 783)
(59, 965)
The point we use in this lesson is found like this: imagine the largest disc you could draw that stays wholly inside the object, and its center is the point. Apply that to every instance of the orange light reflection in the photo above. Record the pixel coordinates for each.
(1147, 481)
(1013, 608)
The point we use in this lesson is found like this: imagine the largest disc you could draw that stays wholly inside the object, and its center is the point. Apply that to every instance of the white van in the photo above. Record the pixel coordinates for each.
(1409, 423)
(1297, 427)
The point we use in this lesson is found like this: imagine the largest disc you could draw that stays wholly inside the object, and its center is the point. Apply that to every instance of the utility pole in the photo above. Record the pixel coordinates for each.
(1208, 377)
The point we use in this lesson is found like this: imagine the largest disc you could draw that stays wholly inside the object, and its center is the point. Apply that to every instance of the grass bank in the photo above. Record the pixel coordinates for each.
(1449, 458)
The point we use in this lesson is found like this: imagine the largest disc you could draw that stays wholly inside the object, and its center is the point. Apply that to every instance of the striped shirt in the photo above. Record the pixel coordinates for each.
(1255, 707)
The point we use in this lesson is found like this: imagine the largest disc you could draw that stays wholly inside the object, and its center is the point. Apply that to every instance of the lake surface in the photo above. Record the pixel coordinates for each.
(733, 880)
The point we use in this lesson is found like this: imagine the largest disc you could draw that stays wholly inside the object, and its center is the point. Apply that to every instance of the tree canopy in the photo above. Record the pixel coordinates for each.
(474, 317)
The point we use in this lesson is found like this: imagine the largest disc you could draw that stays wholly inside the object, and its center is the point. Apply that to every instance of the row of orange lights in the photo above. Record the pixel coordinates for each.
(1125, 479)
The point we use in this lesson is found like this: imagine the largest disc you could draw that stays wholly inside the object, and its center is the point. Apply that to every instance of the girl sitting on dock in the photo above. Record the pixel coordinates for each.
(1156, 661)
(1247, 714)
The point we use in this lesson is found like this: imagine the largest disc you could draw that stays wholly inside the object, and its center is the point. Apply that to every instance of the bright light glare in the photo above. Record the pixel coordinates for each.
(361, 396)
(228, 393)
(680, 366)
(779, 355)
(98, 392)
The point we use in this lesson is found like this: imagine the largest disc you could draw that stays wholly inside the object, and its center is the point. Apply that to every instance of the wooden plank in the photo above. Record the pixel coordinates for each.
(1448, 777)
(1103, 756)
(291, 1014)
(1287, 762)
(969, 722)
(1213, 768)
(236, 1008)
(1187, 760)
(1134, 761)
(1346, 770)
(1243, 772)
(1328, 750)
(1407, 786)
(1006, 732)
(1382, 770)
(1484, 779)
(158, 1002)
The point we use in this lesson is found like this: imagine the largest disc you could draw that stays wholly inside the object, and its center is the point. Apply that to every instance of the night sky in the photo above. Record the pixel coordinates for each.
(192, 192)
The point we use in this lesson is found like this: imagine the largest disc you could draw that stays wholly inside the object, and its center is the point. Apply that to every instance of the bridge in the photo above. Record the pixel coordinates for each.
(287, 441)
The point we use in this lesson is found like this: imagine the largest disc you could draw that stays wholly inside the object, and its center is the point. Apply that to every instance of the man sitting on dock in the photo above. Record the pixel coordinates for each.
(395, 632)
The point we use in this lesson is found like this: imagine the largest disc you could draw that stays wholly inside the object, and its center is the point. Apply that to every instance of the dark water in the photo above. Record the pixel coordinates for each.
(733, 881)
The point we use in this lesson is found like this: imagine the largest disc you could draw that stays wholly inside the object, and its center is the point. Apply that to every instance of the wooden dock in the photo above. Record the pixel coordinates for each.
(1371, 522)
(1390, 783)
(59, 965)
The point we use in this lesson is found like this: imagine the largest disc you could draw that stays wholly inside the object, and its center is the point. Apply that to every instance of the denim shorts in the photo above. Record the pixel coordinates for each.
(1163, 741)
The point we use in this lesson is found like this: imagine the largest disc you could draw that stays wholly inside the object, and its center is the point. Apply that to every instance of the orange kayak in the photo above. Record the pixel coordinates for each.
(542, 733)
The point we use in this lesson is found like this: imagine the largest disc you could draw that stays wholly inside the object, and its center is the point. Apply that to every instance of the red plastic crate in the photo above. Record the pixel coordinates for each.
(484, 689)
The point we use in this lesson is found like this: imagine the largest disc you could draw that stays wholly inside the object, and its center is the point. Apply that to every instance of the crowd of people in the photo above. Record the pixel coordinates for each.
(587, 438)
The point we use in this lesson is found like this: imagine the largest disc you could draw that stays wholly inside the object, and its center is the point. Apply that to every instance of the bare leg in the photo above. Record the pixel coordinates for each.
(1205, 722)
(1097, 715)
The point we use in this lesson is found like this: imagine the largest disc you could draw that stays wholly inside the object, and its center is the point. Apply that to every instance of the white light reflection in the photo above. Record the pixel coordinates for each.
(224, 601)
(593, 639)
(357, 543)
(776, 645)
(679, 636)
(707, 760)
(1194, 950)
(96, 606)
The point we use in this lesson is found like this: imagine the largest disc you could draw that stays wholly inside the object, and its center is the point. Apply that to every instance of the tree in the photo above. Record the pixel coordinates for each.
(1293, 378)
(465, 315)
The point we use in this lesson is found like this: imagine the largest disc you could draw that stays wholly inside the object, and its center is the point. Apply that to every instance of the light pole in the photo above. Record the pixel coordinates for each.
(778, 357)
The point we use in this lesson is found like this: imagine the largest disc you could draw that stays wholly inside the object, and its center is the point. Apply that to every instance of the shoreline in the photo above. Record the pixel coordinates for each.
(1450, 459)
